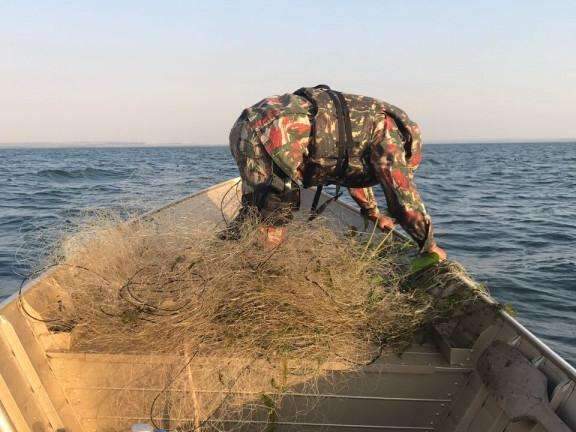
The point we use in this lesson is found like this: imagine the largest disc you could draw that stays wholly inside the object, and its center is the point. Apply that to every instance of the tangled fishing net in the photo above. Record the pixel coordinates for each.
(237, 326)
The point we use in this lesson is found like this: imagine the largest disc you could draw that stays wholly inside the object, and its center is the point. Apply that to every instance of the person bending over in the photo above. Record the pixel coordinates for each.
(317, 136)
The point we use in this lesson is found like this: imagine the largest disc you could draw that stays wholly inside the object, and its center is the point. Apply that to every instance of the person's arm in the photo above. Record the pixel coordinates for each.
(366, 200)
(397, 179)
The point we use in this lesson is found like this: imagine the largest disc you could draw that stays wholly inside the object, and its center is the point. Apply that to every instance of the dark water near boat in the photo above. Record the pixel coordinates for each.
(506, 211)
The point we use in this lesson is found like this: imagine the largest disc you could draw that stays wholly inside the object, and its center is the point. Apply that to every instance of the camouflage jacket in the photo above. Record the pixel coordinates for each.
(386, 149)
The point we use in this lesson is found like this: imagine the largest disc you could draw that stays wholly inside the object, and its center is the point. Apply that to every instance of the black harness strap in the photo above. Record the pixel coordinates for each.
(315, 201)
(317, 211)
(344, 141)
(343, 118)
(342, 148)
(404, 133)
(347, 127)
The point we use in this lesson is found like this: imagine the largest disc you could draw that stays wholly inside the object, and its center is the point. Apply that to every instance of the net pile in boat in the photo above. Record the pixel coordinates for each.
(236, 326)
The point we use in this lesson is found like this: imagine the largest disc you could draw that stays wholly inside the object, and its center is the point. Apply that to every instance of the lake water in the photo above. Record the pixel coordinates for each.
(506, 211)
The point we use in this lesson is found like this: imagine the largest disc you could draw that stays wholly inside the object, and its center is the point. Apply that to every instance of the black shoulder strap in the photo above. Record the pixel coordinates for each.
(404, 133)
(343, 118)
(344, 130)
(309, 96)
(344, 138)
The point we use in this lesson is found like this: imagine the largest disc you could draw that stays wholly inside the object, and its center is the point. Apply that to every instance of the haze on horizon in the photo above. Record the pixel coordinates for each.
(182, 71)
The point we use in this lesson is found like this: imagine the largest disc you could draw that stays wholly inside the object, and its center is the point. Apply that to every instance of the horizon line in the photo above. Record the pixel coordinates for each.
(140, 144)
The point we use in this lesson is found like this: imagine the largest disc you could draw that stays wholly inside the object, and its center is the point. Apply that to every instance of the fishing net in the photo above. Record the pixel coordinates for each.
(226, 331)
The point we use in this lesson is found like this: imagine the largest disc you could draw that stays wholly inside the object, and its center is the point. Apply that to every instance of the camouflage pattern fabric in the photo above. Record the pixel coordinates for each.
(366, 199)
(282, 125)
(396, 175)
(253, 160)
(256, 170)
(277, 130)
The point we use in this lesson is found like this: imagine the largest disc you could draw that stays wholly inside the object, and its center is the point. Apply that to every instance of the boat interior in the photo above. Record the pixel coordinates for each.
(436, 384)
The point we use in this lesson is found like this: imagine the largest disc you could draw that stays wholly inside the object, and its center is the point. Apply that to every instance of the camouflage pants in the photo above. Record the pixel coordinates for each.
(271, 204)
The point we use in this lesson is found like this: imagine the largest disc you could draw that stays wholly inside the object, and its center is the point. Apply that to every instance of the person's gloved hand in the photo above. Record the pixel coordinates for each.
(438, 251)
(429, 257)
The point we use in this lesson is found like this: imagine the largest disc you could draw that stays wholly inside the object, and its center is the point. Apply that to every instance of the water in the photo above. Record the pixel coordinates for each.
(506, 211)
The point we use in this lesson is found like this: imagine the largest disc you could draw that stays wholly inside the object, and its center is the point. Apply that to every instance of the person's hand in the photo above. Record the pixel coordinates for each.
(385, 223)
(438, 251)
(428, 258)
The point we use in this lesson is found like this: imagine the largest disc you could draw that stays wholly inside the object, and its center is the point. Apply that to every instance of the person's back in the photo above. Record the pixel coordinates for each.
(318, 136)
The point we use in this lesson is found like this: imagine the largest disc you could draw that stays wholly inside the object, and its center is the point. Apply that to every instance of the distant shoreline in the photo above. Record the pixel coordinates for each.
(125, 145)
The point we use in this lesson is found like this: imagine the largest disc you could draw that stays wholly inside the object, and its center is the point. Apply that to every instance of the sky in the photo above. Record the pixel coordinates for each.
(180, 72)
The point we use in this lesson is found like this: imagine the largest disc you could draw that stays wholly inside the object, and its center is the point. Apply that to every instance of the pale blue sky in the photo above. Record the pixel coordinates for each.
(182, 71)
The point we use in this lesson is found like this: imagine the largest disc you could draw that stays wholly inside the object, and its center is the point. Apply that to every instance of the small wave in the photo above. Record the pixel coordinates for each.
(432, 161)
(83, 174)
